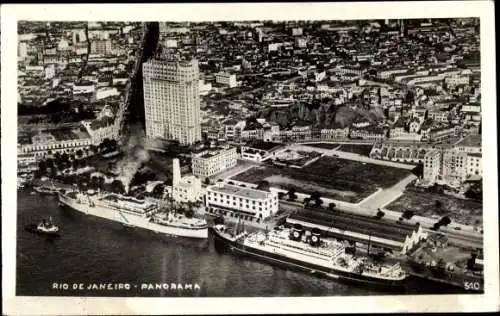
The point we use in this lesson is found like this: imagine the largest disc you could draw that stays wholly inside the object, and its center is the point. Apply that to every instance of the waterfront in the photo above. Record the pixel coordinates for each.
(95, 251)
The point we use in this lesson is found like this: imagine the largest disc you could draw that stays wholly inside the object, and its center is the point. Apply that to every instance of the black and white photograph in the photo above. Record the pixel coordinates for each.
(243, 155)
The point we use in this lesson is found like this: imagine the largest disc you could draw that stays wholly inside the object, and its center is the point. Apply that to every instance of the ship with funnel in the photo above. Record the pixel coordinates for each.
(304, 250)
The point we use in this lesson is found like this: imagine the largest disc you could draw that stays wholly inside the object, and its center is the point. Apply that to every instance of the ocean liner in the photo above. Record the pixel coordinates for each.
(132, 212)
(306, 251)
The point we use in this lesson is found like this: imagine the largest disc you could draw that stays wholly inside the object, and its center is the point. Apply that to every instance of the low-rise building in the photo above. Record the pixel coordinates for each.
(335, 133)
(212, 161)
(83, 87)
(440, 134)
(226, 79)
(370, 132)
(451, 165)
(100, 47)
(62, 141)
(228, 199)
(469, 144)
(102, 128)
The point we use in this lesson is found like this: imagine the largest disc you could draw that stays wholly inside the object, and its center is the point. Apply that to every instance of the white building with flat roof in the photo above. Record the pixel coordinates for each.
(172, 100)
(452, 166)
(231, 199)
(43, 144)
(212, 161)
(226, 79)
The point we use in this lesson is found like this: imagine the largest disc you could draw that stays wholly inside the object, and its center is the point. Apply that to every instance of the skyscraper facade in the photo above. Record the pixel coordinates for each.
(172, 100)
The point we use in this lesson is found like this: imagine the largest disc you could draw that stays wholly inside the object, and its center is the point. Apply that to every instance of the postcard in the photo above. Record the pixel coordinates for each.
(249, 158)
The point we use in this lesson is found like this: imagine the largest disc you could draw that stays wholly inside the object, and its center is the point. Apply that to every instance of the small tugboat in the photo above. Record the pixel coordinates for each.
(45, 227)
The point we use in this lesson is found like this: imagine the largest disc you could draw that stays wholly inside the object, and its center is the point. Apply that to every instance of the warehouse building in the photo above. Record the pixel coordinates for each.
(379, 233)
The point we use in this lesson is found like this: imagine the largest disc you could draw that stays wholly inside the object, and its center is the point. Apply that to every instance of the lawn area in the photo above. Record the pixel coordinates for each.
(336, 178)
(323, 145)
(356, 148)
(424, 204)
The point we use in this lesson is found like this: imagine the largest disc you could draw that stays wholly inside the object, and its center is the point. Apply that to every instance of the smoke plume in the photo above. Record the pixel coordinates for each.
(135, 154)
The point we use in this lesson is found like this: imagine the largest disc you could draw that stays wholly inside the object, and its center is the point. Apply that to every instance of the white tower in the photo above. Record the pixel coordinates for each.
(176, 172)
(172, 100)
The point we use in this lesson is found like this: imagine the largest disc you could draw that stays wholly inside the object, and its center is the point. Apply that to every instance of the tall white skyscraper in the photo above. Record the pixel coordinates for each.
(172, 100)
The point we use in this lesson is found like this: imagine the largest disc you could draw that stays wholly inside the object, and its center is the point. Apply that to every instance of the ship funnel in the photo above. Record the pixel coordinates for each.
(316, 237)
(296, 232)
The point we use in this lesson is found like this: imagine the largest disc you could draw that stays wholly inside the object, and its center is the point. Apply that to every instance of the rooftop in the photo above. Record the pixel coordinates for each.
(356, 223)
(243, 192)
(262, 145)
(470, 141)
(211, 152)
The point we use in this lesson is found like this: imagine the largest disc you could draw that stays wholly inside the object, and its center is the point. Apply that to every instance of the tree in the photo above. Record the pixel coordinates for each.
(380, 214)
(189, 213)
(50, 163)
(94, 183)
(263, 185)
(306, 201)
(158, 191)
(53, 172)
(291, 194)
(281, 195)
(331, 206)
(436, 226)
(407, 214)
(79, 153)
(445, 221)
(57, 157)
(64, 158)
(207, 181)
(42, 166)
(316, 197)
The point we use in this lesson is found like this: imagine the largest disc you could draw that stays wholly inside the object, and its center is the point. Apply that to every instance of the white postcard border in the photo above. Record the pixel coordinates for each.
(10, 14)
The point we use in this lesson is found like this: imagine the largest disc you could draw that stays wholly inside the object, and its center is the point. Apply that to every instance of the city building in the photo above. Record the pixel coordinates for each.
(227, 199)
(62, 141)
(184, 189)
(300, 42)
(26, 162)
(104, 126)
(469, 144)
(212, 161)
(226, 79)
(399, 237)
(172, 100)
(451, 166)
(335, 133)
(370, 132)
(83, 87)
(100, 47)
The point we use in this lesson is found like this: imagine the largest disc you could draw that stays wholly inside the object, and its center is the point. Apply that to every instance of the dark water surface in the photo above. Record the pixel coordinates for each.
(92, 250)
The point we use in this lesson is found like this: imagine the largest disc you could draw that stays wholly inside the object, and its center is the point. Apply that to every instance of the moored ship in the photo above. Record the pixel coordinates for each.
(306, 251)
(132, 212)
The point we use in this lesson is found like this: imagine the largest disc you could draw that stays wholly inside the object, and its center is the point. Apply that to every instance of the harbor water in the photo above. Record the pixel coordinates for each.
(94, 253)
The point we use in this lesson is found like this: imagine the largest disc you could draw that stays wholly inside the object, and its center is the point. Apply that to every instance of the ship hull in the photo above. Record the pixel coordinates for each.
(299, 265)
(133, 221)
(35, 230)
